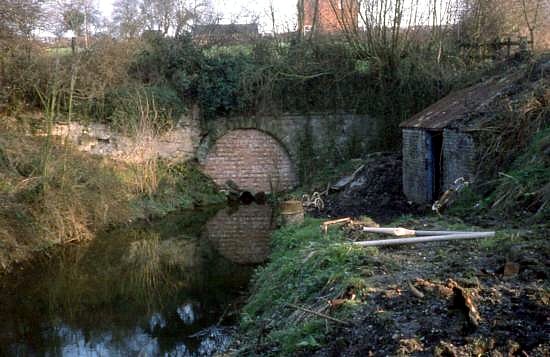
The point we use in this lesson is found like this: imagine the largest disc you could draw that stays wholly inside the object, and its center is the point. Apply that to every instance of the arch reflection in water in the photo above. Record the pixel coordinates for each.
(242, 234)
(149, 289)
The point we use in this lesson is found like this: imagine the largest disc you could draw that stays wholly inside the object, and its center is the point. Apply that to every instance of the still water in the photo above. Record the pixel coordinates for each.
(169, 288)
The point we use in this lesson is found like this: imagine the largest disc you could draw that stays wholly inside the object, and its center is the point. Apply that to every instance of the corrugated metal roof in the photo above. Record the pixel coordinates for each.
(458, 105)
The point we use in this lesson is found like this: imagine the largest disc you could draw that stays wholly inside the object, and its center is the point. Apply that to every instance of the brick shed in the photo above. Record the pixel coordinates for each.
(439, 143)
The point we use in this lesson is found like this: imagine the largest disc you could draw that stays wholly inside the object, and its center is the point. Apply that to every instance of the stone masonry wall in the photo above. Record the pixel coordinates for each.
(243, 236)
(178, 144)
(326, 132)
(415, 173)
(458, 157)
(328, 136)
(252, 159)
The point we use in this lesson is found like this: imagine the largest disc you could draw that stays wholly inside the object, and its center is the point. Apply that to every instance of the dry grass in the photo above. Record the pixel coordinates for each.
(79, 195)
(82, 194)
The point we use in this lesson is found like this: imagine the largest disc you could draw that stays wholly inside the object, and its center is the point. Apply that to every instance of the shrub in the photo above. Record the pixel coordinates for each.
(125, 107)
(219, 85)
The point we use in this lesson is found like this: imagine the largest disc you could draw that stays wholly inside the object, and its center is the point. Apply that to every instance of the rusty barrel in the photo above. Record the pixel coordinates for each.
(292, 212)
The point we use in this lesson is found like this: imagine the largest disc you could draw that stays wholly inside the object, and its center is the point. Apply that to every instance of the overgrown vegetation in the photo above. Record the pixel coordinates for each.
(513, 142)
(267, 76)
(306, 269)
(70, 196)
(520, 192)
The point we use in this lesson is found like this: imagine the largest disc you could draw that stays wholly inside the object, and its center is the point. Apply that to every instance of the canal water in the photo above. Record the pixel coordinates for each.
(170, 288)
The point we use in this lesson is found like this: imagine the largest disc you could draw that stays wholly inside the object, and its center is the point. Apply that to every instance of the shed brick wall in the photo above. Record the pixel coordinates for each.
(243, 236)
(415, 173)
(458, 156)
(252, 159)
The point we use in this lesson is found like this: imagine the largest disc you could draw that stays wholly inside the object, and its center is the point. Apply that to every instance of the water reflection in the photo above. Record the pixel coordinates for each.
(148, 290)
(242, 234)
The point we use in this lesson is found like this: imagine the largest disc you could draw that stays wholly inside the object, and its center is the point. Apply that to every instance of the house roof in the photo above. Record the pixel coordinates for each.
(226, 29)
(460, 105)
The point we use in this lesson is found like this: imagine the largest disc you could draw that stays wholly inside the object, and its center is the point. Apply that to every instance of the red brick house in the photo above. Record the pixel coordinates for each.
(328, 16)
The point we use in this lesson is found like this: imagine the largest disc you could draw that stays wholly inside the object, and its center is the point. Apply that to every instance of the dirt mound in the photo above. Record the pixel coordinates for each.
(374, 189)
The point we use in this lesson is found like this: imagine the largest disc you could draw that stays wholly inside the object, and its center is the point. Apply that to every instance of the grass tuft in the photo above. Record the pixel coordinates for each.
(308, 269)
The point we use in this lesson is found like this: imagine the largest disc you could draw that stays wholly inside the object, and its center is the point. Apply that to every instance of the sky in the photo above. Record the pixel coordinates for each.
(243, 11)
(248, 11)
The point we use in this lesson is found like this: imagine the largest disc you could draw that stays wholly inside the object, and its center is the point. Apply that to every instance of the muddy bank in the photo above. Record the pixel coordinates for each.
(411, 306)
(407, 300)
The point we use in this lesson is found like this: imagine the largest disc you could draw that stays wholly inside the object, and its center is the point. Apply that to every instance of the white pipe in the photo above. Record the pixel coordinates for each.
(441, 233)
(409, 232)
(459, 236)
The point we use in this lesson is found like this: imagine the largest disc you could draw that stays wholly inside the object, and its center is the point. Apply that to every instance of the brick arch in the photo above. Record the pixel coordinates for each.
(252, 158)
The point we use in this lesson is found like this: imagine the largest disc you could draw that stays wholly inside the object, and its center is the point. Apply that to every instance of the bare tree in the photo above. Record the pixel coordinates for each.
(79, 16)
(530, 11)
(388, 29)
(192, 12)
(481, 22)
(158, 15)
(127, 18)
(19, 17)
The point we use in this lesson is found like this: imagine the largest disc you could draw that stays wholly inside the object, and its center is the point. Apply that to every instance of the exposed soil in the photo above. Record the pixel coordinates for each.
(443, 299)
(374, 190)
(415, 301)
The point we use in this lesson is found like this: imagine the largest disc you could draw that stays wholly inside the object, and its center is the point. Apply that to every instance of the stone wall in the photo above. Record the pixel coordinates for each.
(323, 132)
(242, 236)
(415, 171)
(291, 140)
(458, 157)
(178, 144)
(252, 159)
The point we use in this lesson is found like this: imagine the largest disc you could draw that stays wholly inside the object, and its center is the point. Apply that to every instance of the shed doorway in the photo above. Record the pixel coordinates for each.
(434, 142)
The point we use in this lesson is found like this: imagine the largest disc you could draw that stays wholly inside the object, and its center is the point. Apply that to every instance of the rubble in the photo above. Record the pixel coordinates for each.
(374, 189)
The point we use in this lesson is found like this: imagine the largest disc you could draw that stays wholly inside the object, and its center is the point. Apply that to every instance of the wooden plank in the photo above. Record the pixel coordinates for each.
(325, 225)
